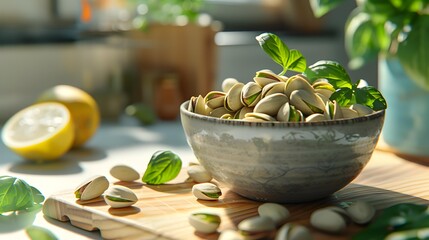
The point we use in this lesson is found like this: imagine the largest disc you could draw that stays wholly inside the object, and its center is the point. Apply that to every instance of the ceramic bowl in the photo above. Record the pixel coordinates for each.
(282, 162)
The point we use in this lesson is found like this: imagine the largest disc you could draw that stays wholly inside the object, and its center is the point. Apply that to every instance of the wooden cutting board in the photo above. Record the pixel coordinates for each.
(162, 211)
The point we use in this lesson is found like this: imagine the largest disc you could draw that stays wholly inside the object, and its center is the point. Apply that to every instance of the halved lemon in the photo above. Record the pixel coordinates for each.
(40, 132)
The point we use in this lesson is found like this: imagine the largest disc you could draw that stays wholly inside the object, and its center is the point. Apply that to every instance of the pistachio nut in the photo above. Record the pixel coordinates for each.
(251, 94)
(362, 110)
(204, 222)
(291, 231)
(227, 83)
(324, 88)
(258, 117)
(271, 88)
(307, 102)
(206, 191)
(124, 173)
(230, 234)
(315, 117)
(199, 174)
(349, 113)
(271, 104)
(297, 82)
(92, 188)
(200, 107)
(333, 111)
(233, 98)
(191, 105)
(288, 113)
(361, 212)
(218, 112)
(278, 213)
(258, 227)
(329, 219)
(226, 116)
(214, 99)
(323, 97)
(266, 76)
(242, 111)
(118, 196)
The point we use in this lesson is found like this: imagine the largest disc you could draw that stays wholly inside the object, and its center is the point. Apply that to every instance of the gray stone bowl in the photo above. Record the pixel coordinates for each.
(282, 162)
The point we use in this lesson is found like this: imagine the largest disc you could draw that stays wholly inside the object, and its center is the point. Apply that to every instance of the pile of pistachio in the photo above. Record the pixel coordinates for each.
(271, 97)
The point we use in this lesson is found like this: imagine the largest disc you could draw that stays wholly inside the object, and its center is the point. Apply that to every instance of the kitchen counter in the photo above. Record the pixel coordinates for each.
(386, 180)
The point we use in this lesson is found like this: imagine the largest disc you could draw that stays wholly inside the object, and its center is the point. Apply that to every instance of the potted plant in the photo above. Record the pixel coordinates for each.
(177, 43)
(397, 33)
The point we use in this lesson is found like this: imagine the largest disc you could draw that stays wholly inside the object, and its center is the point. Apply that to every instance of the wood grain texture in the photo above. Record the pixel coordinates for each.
(162, 211)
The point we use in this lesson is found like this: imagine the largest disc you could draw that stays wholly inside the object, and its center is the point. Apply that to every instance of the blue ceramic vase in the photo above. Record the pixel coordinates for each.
(406, 126)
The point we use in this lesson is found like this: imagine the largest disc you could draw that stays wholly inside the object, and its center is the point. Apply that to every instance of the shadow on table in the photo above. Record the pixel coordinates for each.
(14, 221)
(300, 212)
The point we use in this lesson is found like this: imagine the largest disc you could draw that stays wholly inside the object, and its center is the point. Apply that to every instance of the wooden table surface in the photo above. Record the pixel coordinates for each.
(161, 212)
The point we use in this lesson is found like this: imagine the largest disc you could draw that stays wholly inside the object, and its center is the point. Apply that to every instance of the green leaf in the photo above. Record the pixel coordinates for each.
(39, 233)
(380, 10)
(371, 97)
(280, 53)
(321, 7)
(37, 195)
(409, 5)
(413, 53)
(344, 97)
(397, 218)
(163, 167)
(331, 71)
(15, 194)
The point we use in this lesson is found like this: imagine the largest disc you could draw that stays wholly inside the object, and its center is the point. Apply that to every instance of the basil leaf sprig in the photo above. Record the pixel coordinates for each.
(16, 194)
(163, 166)
(400, 221)
(280, 53)
(346, 92)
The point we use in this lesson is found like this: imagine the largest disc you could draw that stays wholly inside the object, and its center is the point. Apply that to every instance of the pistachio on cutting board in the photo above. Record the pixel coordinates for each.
(91, 188)
(119, 196)
(204, 222)
(206, 191)
(124, 173)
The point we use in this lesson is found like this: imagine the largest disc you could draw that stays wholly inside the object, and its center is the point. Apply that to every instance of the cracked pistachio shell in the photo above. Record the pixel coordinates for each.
(316, 117)
(200, 107)
(297, 82)
(226, 116)
(92, 188)
(361, 212)
(258, 117)
(233, 98)
(324, 88)
(214, 99)
(271, 104)
(258, 227)
(251, 94)
(275, 87)
(204, 222)
(218, 112)
(292, 231)
(118, 196)
(230, 234)
(307, 102)
(362, 110)
(242, 112)
(333, 111)
(265, 76)
(278, 213)
(349, 113)
(206, 191)
(124, 173)
(227, 83)
(323, 97)
(288, 113)
(199, 174)
(191, 105)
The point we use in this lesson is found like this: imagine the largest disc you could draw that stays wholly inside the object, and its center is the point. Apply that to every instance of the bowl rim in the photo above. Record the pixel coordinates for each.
(344, 121)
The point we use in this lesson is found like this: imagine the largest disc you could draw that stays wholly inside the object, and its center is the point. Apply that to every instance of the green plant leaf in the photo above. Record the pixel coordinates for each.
(397, 218)
(344, 97)
(409, 5)
(380, 11)
(321, 7)
(413, 52)
(39, 233)
(15, 194)
(331, 71)
(163, 167)
(280, 53)
(371, 97)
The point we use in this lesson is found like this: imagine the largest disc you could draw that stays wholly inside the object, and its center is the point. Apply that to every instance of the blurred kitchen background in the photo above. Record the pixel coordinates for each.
(128, 51)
